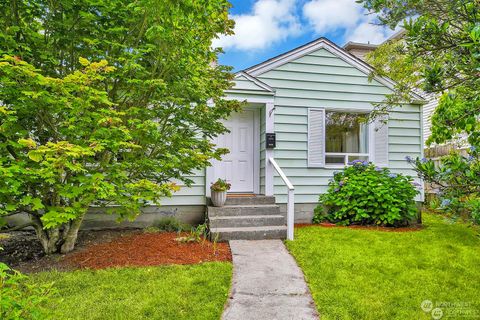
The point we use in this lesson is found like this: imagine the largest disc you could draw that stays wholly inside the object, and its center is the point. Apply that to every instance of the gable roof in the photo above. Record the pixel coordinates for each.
(244, 81)
(322, 43)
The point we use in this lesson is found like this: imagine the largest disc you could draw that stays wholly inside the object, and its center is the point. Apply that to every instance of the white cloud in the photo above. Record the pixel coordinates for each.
(367, 32)
(345, 17)
(269, 22)
(331, 15)
(273, 21)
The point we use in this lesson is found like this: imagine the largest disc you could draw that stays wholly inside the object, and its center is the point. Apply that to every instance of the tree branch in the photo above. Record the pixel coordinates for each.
(19, 227)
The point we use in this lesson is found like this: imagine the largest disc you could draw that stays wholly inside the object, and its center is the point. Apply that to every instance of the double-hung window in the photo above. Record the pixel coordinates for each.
(346, 138)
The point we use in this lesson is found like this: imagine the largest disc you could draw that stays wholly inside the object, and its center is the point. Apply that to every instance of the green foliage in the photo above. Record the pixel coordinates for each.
(365, 194)
(181, 292)
(20, 299)
(473, 207)
(75, 132)
(170, 224)
(196, 234)
(442, 46)
(366, 274)
(220, 185)
(457, 180)
(391, 60)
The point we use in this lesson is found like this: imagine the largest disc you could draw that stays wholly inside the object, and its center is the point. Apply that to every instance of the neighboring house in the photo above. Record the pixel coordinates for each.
(358, 49)
(310, 98)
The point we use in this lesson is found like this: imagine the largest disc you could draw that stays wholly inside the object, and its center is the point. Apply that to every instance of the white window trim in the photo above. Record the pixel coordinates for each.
(345, 155)
(370, 147)
(371, 142)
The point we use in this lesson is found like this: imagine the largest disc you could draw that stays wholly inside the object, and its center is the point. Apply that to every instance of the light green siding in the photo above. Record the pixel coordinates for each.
(194, 195)
(319, 80)
(323, 80)
(245, 84)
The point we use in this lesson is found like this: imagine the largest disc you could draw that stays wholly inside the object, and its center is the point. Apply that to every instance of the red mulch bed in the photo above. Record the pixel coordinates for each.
(147, 249)
(376, 228)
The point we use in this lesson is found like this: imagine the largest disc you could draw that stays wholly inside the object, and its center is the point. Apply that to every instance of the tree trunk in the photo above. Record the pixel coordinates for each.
(60, 239)
(48, 237)
(70, 236)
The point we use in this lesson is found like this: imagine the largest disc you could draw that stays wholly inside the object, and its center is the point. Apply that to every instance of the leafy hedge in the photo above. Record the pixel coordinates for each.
(365, 194)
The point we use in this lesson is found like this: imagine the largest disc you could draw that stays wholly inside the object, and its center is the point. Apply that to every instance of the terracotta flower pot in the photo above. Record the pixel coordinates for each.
(219, 198)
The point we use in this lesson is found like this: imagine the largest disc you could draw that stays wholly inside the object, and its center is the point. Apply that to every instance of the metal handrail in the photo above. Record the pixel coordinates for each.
(290, 201)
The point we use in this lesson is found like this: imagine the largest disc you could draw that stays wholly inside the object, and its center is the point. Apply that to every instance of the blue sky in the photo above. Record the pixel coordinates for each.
(266, 28)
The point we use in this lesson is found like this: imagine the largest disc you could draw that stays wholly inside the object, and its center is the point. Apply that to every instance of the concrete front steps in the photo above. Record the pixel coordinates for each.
(247, 218)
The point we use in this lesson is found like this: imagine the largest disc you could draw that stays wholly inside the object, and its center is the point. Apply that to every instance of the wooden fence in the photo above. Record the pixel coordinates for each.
(435, 153)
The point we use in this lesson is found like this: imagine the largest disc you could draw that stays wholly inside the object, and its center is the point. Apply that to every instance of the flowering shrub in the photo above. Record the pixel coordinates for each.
(457, 177)
(365, 194)
(220, 185)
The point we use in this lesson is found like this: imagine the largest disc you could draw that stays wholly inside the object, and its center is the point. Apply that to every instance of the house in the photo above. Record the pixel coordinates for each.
(310, 98)
(307, 101)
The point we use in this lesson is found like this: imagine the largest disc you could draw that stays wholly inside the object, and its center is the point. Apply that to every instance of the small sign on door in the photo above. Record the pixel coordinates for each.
(270, 140)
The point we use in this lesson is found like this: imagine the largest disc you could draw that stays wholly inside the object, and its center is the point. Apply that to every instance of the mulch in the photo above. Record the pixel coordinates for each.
(374, 228)
(148, 249)
(97, 249)
(18, 247)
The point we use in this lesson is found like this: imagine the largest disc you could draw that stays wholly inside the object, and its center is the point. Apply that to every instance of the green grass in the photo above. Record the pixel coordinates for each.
(364, 274)
(167, 292)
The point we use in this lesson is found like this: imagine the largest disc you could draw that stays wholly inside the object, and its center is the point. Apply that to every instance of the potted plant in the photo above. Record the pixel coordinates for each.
(219, 192)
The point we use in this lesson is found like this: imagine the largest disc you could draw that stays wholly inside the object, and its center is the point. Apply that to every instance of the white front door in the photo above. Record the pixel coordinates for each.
(237, 167)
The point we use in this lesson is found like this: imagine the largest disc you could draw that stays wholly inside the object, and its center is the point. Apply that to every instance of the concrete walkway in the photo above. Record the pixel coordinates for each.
(267, 284)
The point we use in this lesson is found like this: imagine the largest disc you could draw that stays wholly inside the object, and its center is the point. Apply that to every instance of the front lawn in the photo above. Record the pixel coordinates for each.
(368, 274)
(165, 292)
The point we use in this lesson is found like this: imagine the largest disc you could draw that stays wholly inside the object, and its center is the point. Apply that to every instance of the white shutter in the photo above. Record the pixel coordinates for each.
(380, 134)
(316, 137)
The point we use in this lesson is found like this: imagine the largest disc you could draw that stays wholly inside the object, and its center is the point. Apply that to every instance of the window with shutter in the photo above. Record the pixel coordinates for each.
(336, 139)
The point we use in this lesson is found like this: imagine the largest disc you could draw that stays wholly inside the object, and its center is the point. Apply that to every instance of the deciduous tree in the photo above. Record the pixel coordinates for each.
(76, 130)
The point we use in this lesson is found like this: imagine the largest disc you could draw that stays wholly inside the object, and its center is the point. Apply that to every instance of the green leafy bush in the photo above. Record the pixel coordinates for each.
(365, 194)
(18, 298)
(457, 178)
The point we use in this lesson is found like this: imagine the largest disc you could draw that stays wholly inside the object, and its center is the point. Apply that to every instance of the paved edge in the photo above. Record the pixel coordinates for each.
(267, 284)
